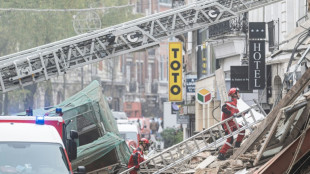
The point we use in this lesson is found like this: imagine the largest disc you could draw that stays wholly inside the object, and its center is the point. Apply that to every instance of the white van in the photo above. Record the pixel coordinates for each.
(130, 132)
(119, 115)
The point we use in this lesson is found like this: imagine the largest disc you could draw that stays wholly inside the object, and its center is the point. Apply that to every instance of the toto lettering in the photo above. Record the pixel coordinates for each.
(175, 71)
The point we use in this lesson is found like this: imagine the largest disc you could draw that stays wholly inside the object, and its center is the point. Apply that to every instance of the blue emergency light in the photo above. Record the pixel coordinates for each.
(40, 120)
(58, 110)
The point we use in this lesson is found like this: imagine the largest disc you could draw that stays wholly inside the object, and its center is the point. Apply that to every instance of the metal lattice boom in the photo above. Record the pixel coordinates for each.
(54, 59)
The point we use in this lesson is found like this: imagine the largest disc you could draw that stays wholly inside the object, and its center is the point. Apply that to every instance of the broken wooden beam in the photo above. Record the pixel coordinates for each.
(289, 111)
(281, 162)
(292, 94)
(272, 130)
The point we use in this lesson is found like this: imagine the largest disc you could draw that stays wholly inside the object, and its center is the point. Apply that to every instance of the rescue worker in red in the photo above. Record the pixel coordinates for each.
(137, 155)
(230, 109)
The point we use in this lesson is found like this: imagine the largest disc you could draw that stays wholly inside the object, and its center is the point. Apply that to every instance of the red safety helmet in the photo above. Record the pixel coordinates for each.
(145, 141)
(233, 91)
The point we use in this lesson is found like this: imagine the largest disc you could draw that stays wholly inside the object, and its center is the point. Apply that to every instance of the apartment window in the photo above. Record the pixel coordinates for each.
(128, 77)
(150, 70)
(217, 64)
(140, 72)
(151, 52)
(271, 35)
(162, 70)
(109, 68)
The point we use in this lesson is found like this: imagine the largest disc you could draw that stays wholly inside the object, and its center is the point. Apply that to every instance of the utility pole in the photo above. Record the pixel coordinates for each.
(1, 103)
(6, 104)
(82, 77)
(113, 97)
(64, 87)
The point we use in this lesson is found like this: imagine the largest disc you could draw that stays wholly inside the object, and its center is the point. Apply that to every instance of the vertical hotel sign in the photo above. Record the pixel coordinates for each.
(175, 71)
(257, 64)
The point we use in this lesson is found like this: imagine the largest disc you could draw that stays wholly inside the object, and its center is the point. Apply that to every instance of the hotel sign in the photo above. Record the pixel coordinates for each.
(239, 77)
(257, 30)
(175, 71)
(257, 64)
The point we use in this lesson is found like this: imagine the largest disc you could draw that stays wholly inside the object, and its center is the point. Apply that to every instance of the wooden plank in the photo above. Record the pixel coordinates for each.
(205, 162)
(190, 171)
(221, 85)
(273, 128)
(292, 94)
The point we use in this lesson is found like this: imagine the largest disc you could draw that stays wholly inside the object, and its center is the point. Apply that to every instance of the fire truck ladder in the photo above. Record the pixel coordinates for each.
(54, 59)
(205, 140)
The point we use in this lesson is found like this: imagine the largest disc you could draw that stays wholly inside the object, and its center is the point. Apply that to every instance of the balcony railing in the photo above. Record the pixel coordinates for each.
(239, 24)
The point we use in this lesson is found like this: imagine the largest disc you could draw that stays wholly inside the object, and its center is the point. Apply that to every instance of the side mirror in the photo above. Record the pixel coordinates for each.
(80, 170)
(72, 151)
(72, 146)
(74, 134)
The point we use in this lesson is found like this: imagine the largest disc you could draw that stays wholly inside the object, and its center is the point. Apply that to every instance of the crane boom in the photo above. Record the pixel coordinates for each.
(54, 59)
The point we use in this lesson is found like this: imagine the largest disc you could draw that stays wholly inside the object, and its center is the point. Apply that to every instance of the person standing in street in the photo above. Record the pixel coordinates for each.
(229, 110)
(154, 126)
(137, 155)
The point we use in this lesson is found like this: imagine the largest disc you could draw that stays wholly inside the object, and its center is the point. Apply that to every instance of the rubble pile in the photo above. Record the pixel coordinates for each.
(278, 144)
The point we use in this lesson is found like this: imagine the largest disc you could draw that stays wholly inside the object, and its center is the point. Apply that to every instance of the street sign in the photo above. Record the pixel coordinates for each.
(175, 107)
(204, 96)
(175, 71)
(183, 119)
(257, 64)
(190, 84)
(257, 30)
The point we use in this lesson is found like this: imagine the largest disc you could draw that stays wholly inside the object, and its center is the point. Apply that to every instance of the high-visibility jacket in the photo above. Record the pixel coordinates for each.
(135, 159)
(229, 109)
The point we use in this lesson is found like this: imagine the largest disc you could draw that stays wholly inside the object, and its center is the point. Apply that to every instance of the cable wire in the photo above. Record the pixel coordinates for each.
(214, 110)
(63, 10)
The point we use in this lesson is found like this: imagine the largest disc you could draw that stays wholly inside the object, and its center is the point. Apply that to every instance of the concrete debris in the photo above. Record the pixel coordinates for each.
(196, 160)
(204, 155)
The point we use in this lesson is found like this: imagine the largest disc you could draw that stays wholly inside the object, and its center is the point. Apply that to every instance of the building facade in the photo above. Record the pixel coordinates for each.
(231, 48)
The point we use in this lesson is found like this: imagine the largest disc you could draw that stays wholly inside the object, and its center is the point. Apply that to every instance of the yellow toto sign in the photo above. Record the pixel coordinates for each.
(175, 71)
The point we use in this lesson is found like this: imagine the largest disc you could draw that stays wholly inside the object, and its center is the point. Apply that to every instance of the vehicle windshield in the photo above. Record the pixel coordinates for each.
(32, 158)
(129, 135)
